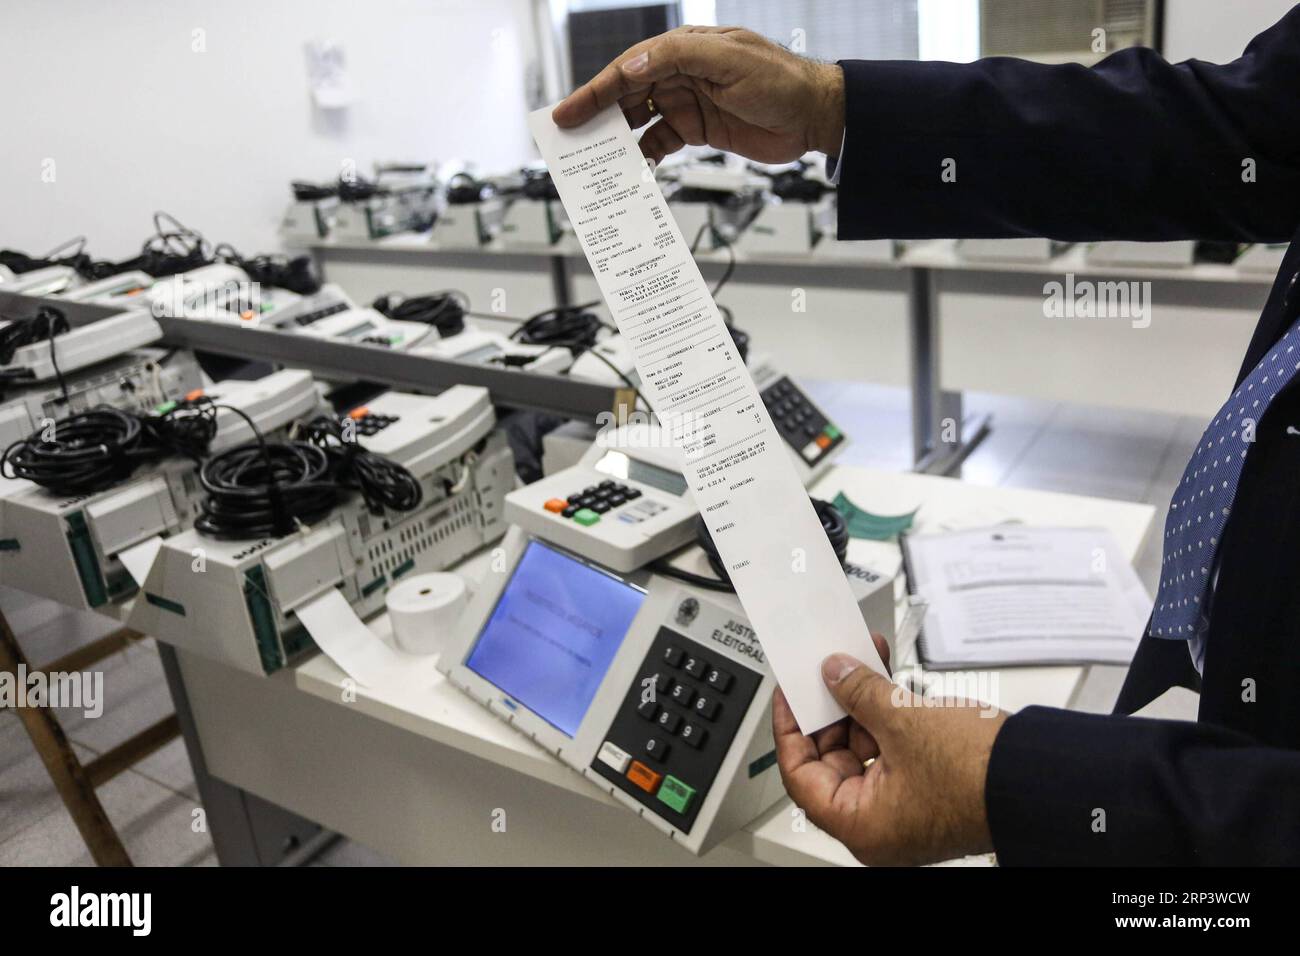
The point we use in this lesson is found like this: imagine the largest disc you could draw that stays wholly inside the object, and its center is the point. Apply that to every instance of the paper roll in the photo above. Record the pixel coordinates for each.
(423, 611)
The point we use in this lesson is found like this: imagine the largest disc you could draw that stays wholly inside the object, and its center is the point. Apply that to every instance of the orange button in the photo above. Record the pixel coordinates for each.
(823, 441)
(643, 776)
(556, 504)
(358, 413)
(246, 315)
(194, 395)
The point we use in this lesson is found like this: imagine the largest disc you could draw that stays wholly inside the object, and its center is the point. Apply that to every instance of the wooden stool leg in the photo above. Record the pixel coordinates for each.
(70, 778)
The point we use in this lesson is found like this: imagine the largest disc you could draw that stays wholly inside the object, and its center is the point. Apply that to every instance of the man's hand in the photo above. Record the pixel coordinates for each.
(920, 797)
(723, 86)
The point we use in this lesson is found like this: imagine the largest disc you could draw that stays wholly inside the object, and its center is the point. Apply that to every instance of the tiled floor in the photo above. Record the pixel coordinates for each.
(1127, 455)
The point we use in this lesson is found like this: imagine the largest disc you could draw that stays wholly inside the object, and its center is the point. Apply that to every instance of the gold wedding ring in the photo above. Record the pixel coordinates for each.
(650, 103)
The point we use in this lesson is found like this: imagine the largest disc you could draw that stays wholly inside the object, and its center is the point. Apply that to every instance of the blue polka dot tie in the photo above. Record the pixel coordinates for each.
(1203, 500)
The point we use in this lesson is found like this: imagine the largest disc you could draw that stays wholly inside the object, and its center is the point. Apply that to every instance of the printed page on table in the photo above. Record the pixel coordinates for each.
(764, 526)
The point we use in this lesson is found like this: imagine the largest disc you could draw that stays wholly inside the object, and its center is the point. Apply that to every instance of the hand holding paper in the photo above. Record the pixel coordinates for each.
(784, 570)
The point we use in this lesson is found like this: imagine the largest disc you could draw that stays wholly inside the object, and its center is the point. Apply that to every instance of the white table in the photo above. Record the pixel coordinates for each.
(419, 772)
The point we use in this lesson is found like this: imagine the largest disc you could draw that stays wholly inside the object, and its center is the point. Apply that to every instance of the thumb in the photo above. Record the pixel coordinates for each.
(864, 694)
(692, 54)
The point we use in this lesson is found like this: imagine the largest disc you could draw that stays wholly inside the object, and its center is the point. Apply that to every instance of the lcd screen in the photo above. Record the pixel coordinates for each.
(553, 634)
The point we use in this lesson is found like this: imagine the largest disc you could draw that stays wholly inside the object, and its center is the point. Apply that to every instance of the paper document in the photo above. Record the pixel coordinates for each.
(1017, 595)
(766, 531)
(346, 640)
(138, 559)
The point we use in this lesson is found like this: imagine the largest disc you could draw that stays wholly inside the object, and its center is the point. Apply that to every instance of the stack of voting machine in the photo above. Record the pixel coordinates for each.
(1016, 595)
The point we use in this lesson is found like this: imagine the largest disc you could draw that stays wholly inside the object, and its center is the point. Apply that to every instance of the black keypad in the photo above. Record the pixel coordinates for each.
(600, 498)
(797, 419)
(699, 711)
(373, 424)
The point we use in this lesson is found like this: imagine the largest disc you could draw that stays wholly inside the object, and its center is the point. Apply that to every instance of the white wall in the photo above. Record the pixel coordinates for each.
(1217, 30)
(135, 120)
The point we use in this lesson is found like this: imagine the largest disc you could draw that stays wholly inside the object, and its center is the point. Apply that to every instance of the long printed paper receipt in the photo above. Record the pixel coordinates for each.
(766, 531)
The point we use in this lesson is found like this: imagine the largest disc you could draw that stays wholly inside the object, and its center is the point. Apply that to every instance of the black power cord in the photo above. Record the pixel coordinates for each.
(445, 311)
(312, 192)
(357, 189)
(263, 489)
(833, 523)
(45, 325)
(297, 274)
(383, 483)
(573, 326)
(94, 450)
(267, 489)
(464, 189)
(539, 185)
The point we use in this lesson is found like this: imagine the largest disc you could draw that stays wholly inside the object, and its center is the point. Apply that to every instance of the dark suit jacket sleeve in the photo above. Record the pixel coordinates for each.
(1132, 148)
(1171, 793)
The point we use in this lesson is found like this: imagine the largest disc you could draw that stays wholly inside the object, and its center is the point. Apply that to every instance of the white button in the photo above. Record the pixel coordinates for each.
(614, 757)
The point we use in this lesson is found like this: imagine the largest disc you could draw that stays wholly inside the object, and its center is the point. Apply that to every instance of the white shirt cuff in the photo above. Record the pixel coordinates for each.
(835, 163)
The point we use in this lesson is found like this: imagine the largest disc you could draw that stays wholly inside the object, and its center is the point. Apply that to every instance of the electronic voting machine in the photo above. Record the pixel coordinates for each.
(604, 634)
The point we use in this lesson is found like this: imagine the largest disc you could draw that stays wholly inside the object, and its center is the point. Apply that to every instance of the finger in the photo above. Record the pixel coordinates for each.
(865, 695)
(793, 749)
(861, 743)
(660, 140)
(638, 114)
(700, 55)
(882, 648)
(832, 737)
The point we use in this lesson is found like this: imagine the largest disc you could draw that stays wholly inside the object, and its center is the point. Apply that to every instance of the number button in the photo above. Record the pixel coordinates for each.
(706, 707)
(719, 680)
(649, 710)
(694, 736)
(669, 721)
(696, 666)
(673, 656)
(681, 694)
(656, 749)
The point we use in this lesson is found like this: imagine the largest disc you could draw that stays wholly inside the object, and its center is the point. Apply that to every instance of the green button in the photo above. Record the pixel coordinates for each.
(831, 432)
(676, 794)
(585, 516)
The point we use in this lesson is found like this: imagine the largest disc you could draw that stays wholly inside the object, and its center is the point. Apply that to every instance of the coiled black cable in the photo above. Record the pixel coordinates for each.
(47, 324)
(539, 185)
(356, 189)
(574, 326)
(94, 450)
(297, 274)
(383, 483)
(445, 311)
(267, 489)
(43, 326)
(304, 191)
(464, 189)
(263, 489)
